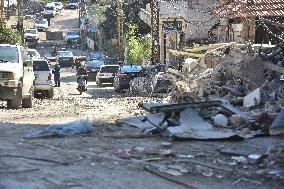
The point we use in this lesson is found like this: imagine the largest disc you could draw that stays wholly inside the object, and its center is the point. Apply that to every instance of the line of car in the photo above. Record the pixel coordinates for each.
(42, 24)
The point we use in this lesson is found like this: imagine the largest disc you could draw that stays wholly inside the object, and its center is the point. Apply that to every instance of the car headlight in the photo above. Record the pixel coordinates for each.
(7, 75)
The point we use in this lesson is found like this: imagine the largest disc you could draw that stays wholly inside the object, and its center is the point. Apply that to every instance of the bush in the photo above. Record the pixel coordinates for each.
(9, 36)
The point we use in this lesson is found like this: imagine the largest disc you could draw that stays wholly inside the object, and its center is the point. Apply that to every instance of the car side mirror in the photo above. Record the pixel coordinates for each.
(28, 63)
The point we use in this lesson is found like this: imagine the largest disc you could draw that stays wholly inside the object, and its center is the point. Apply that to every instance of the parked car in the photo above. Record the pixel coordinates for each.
(106, 74)
(72, 4)
(93, 68)
(31, 35)
(58, 5)
(96, 55)
(65, 58)
(49, 10)
(125, 74)
(16, 76)
(33, 53)
(43, 77)
(109, 60)
(41, 24)
(72, 36)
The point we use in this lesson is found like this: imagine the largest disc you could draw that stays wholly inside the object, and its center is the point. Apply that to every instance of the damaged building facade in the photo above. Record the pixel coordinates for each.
(258, 21)
(181, 22)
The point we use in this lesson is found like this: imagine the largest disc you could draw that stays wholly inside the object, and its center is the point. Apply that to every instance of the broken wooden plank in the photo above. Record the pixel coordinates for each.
(176, 107)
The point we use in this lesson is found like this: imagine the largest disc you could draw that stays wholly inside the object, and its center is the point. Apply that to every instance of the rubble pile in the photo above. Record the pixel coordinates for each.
(274, 55)
(231, 93)
(248, 82)
(153, 80)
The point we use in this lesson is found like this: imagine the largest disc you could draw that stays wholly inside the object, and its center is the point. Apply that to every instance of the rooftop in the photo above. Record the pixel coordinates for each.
(250, 8)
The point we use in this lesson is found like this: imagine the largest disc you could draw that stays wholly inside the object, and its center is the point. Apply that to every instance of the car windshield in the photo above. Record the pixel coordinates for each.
(109, 61)
(9, 54)
(41, 21)
(72, 1)
(72, 33)
(32, 52)
(31, 31)
(96, 55)
(65, 53)
(49, 8)
(109, 69)
(40, 66)
(132, 68)
(94, 64)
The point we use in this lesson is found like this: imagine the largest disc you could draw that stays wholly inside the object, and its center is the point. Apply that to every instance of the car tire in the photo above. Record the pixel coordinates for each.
(117, 89)
(16, 102)
(27, 102)
(50, 93)
(99, 83)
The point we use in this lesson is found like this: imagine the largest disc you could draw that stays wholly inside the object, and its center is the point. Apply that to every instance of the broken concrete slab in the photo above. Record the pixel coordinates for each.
(137, 122)
(277, 126)
(253, 99)
(213, 134)
(189, 120)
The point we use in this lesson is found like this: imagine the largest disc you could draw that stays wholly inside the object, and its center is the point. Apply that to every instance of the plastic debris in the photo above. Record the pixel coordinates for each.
(62, 130)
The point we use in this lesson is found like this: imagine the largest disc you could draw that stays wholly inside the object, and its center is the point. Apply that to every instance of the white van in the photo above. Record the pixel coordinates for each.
(43, 77)
(50, 10)
(16, 76)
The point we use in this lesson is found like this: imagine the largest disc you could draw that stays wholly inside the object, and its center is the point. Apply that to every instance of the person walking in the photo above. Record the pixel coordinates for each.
(57, 70)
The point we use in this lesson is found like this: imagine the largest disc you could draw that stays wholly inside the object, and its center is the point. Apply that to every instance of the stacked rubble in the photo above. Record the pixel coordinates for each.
(242, 92)
(245, 80)
(274, 55)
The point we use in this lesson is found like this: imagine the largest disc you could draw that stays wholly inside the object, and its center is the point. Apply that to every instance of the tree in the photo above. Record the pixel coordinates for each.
(9, 36)
(131, 10)
(138, 47)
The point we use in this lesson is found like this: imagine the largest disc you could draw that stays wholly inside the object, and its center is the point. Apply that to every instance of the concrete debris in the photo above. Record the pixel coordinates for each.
(247, 80)
(252, 99)
(277, 127)
(182, 121)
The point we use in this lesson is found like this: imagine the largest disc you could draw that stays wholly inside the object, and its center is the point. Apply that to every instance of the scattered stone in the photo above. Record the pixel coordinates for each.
(167, 144)
(207, 174)
(239, 159)
(220, 120)
(237, 121)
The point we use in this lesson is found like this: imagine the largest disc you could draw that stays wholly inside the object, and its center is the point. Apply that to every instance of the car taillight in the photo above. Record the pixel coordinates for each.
(121, 75)
(49, 77)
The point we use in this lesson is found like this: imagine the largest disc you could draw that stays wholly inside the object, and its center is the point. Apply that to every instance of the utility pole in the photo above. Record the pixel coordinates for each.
(155, 25)
(20, 24)
(120, 28)
(2, 13)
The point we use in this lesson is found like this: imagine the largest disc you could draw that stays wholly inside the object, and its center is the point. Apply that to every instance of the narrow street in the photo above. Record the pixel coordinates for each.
(114, 155)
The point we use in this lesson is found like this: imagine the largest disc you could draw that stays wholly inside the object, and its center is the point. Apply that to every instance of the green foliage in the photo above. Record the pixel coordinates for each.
(9, 36)
(131, 9)
(138, 47)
